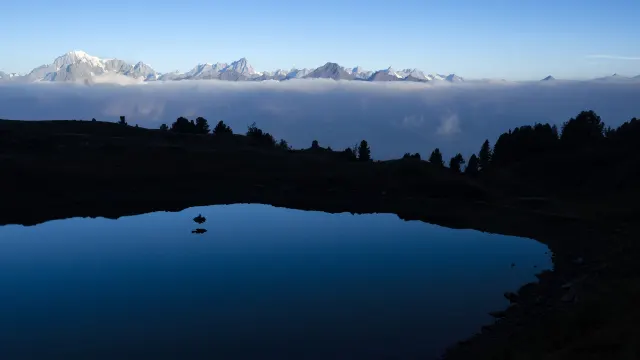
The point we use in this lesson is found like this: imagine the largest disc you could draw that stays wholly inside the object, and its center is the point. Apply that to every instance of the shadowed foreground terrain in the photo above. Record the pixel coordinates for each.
(575, 193)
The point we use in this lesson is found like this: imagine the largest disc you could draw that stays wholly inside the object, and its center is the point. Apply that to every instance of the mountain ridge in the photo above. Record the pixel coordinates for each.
(79, 66)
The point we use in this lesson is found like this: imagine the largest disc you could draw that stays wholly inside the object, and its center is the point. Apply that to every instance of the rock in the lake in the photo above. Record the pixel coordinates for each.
(199, 219)
(199, 231)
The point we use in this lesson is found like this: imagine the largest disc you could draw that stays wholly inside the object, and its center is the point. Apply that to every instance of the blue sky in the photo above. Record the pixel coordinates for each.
(510, 39)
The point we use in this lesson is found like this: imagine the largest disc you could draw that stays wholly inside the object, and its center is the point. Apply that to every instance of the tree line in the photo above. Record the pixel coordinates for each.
(523, 144)
(586, 130)
(258, 137)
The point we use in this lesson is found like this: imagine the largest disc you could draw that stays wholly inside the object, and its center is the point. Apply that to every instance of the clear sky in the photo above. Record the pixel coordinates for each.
(512, 39)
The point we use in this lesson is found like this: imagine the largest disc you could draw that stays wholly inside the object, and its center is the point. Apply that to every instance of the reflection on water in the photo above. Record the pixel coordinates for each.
(261, 283)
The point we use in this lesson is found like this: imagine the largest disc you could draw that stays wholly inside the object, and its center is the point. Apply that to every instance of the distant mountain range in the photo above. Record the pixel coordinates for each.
(610, 78)
(78, 66)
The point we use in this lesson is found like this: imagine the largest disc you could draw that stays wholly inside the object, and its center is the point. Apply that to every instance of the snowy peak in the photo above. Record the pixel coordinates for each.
(385, 75)
(241, 67)
(272, 75)
(298, 73)
(237, 70)
(432, 77)
(77, 65)
(453, 78)
(76, 57)
(81, 55)
(330, 71)
(359, 73)
(391, 72)
(142, 70)
(204, 71)
(415, 73)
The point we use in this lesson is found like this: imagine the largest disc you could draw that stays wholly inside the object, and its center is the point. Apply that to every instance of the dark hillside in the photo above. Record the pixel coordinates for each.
(72, 161)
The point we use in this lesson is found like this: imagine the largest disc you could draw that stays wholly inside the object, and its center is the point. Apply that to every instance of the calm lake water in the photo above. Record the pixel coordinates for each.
(262, 283)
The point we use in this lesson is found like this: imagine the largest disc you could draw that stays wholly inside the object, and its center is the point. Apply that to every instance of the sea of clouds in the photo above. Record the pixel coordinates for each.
(393, 117)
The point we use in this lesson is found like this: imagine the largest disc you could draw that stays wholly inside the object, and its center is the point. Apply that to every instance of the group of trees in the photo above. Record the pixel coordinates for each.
(584, 134)
(475, 164)
(256, 136)
(523, 142)
(526, 142)
(259, 137)
(415, 156)
(199, 126)
(359, 152)
(222, 129)
(515, 146)
(185, 126)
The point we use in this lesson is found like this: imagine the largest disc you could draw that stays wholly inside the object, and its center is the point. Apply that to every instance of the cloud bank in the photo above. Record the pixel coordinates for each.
(393, 117)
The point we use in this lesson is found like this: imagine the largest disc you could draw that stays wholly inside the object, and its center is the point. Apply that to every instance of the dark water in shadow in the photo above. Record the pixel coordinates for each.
(261, 283)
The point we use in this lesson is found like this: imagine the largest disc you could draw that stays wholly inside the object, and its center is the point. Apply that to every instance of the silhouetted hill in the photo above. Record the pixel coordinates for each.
(584, 163)
(98, 159)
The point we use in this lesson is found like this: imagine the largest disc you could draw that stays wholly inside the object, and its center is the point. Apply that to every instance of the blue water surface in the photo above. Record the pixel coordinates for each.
(262, 283)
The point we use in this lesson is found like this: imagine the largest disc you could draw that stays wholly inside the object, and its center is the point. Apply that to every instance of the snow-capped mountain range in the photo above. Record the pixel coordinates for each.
(78, 66)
